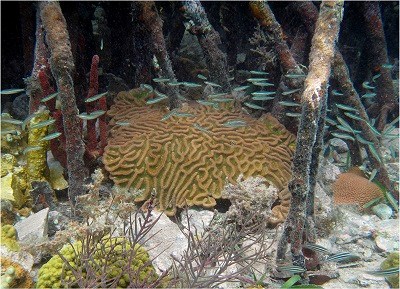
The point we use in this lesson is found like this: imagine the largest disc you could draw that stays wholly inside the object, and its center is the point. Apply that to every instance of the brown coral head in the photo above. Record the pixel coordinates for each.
(188, 158)
(353, 188)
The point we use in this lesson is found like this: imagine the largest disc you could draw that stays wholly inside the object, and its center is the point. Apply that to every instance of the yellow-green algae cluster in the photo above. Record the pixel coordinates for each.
(9, 237)
(392, 261)
(190, 156)
(112, 254)
(16, 177)
(13, 181)
(37, 159)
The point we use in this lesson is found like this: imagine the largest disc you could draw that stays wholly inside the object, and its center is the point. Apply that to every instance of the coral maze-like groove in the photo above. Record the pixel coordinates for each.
(189, 159)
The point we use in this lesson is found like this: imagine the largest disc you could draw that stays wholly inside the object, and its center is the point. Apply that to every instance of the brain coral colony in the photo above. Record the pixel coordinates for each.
(199, 144)
(187, 155)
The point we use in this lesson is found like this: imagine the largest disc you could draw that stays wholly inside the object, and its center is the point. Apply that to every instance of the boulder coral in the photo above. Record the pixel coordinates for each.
(189, 155)
(353, 188)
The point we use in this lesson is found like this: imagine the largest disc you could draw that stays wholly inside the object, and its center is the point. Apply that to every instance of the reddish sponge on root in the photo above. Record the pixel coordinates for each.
(353, 188)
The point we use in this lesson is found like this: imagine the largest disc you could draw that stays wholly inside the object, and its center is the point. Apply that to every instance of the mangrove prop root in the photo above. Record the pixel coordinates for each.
(154, 24)
(377, 57)
(307, 146)
(62, 67)
(267, 20)
(341, 74)
(209, 40)
(40, 64)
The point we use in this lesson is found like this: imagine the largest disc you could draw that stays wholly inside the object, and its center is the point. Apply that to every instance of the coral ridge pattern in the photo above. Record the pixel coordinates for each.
(191, 155)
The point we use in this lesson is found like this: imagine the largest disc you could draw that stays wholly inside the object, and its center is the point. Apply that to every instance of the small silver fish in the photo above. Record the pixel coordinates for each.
(235, 123)
(9, 131)
(293, 76)
(50, 96)
(11, 121)
(122, 123)
(12, 91)
(343, 136)
(263, 93)
(262, 83)
(157, 99)
(253, 106)
(262, 97)
(183, 114)
(241, 88)
(330, 121)
(290, 91)
(353, 116)
(256, 79)
(257, 72)
(387, 66)
(43, 123)
(31, 149)
(366, 85)
(28, 119)
(217, 95)
(213, 84)
(375, 77)
(374, 152)
(168, 115)
(369, 95)
(372, 203)
(374, 130)
(146, 86)
(162, 80)
(205, 102)
(293, 114)
(345, 128)
(91, 116)
(190, 84)
(159, 93)
(201, 76)
(174, 83)
(345, 123)
(345, 107)
(220, 99)
(362, 140)
(201, 128)
(373, 174)
(289, 103)
(392, 201)
(101, 44)
(51, 136)
(336, 92)
(95, 97)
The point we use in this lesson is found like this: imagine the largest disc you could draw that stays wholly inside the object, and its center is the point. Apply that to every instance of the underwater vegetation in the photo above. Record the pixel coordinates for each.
(178, 102)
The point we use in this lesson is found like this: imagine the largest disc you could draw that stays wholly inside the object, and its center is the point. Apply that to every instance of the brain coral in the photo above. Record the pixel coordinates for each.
(353, 188)
(188, 158)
